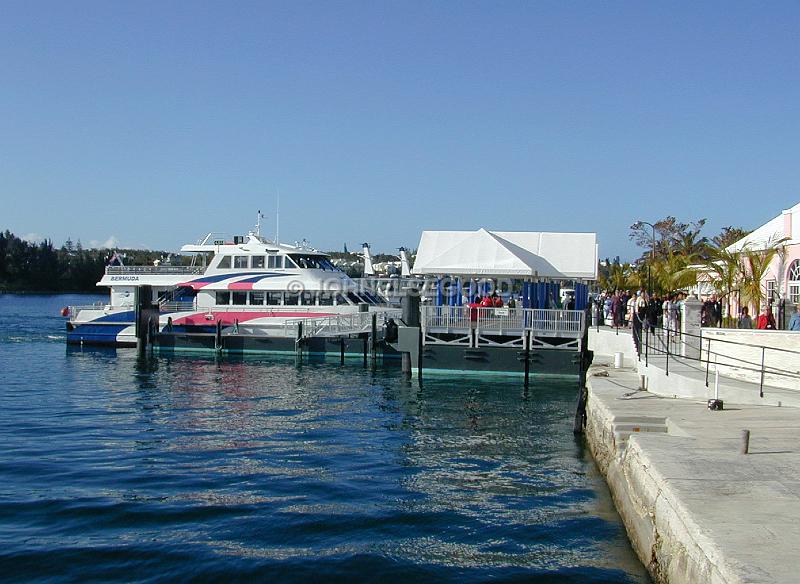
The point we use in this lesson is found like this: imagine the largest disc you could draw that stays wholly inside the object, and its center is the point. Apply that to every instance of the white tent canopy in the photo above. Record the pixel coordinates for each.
(511, 254)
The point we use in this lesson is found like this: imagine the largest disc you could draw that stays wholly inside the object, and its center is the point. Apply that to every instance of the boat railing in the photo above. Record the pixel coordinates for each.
(337, 324)
(178, 306)
(153, 270)
(275, 310)
(74, 310)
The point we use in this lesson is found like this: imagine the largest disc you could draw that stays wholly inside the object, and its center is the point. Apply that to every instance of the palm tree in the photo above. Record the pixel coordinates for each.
(690, 245)
(672, 271)
(755, 266)
(724, 268)
(618, 277)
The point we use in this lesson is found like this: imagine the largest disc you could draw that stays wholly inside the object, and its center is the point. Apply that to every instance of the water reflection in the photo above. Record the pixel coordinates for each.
(340, 468)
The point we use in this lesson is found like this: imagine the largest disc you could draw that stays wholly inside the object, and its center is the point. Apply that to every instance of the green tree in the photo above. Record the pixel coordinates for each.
(617, 276)
(755, 263)
(723, 269)
(728, 236)
(669, 234)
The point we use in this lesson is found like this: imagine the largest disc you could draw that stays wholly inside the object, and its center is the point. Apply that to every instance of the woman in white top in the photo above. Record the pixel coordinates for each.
(670, 314)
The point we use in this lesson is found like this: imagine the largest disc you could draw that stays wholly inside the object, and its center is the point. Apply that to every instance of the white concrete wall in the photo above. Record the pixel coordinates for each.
(744, 362)
(662, 538)
(608, 341)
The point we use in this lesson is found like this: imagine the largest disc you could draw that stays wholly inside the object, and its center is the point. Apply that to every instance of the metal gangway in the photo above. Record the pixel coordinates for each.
(507, 327)
(339, 325)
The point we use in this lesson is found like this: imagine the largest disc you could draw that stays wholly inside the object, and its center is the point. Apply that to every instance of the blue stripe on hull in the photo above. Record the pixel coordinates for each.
(127, 316)
(95, 333)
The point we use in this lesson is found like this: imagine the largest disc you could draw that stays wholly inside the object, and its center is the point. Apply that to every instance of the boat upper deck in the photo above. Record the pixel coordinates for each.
(154, 270)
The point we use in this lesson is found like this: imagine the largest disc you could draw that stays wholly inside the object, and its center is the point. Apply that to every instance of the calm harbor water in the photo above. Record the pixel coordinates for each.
(195, 468)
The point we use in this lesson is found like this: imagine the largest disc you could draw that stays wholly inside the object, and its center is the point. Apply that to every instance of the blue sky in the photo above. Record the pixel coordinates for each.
(152, 123)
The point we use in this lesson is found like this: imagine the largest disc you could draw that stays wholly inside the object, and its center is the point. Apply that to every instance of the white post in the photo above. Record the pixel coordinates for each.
(690, 328)
(405, 268)
(368, 269)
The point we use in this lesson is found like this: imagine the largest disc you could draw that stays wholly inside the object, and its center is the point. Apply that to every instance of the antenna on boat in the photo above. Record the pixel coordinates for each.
(278, 218)
(258, 223)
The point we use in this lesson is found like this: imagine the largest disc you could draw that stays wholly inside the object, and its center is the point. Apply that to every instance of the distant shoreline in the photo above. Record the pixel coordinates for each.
(48, 292)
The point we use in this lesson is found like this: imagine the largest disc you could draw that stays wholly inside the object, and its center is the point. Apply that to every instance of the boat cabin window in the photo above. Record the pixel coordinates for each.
(274, 298)
(275, 262)
(312, 262)
(341, 300)
(325, 299)
(308, 299)
(288, 262)
(291, 298)
(258, 262)
(223, 298)
(224, 263)
(239, 261)
(239, 298)
(257, 297)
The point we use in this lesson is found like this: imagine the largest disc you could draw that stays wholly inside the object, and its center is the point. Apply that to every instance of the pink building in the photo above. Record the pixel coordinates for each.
(782, 279)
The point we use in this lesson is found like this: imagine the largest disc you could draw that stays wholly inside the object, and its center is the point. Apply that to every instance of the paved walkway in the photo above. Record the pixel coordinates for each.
(739, 513)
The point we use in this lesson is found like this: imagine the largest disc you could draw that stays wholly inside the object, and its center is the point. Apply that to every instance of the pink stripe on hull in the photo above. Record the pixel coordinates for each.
(228, 318)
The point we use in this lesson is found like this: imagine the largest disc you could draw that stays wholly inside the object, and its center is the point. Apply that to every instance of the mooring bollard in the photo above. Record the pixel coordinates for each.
(744, 447)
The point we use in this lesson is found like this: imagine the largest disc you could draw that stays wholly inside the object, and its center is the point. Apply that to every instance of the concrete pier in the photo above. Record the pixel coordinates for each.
(696, 508)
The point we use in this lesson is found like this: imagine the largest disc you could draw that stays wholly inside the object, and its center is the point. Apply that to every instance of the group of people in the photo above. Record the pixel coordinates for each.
(764, 321)
(622, 308)
(711, 312)
(492, 300)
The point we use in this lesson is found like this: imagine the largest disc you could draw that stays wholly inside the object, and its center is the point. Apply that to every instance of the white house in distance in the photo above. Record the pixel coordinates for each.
(782, 279)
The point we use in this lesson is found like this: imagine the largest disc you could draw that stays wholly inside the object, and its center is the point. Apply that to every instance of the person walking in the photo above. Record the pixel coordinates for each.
(637, 318)
(716, 311)
(794, 322)
(670, 315)
(616, 309)
(766, 321)
(653, 310)
(745, 322)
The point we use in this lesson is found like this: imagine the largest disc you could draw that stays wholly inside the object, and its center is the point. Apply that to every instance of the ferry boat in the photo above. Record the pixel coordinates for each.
(260, 294)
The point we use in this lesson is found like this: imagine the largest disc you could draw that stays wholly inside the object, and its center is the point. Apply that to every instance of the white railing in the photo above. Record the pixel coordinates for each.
(510, 321)
(267, 309)
(95, 306)
(446, 317)
(338, 324)
(553, 322)
(176, 306)
(163, 270)
(500, 319)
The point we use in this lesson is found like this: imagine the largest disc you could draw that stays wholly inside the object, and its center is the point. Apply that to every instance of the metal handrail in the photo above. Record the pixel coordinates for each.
(760, 367)
(178, 306)
(338, 324)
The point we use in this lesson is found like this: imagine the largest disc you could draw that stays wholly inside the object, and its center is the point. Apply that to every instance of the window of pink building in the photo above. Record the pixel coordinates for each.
(793, 278)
